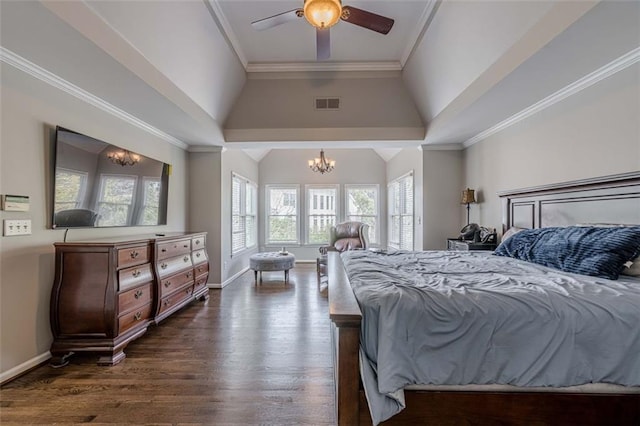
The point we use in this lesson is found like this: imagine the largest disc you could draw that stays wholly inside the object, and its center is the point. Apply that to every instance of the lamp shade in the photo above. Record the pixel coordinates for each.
(468, 196)
(322, 13)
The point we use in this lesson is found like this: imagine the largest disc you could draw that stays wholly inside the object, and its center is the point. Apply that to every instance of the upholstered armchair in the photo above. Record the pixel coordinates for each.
(347, 236)
(74, 218)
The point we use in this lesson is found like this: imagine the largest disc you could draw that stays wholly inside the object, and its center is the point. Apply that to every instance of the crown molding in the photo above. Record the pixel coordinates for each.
(226, 31)
(323, 66)
(53, 80)
(442, 147)
(589, 80)
(205, 148)
(423, 24)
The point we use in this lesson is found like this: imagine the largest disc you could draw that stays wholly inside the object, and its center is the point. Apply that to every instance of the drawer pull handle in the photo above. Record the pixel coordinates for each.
(186, 246)
(166, 303)
(199, 268)
(197, 254)
(197, 241)
(186, 258)
(138, 294)
(164, 250)
(188, 274)
(134, 254)
(167, 284)
(188, 291)
(137, 316)
(163, 265)
(136, 273)
(175, 246)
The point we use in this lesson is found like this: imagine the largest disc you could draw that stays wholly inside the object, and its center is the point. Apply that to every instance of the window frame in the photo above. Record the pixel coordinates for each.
(246, 187)
(319, 206)
(267, 206)
(144, 206)
(374, 238)
(132, 205)
(400, 214)
(82, 190)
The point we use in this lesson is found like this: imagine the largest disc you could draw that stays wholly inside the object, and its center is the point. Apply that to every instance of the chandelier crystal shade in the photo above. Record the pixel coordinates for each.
(322, 13)
(321, 164)
(124, 158)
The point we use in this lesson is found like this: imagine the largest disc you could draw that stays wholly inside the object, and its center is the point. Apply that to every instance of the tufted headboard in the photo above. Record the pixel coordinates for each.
(607, 199)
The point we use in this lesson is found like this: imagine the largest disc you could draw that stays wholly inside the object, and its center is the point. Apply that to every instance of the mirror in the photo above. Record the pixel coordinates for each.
(97, 184)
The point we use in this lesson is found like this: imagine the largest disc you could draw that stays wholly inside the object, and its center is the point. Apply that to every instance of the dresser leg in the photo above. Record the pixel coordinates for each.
(112, 358)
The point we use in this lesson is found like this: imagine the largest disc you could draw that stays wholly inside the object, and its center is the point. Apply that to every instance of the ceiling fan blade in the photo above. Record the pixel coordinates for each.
(278, 19)
(323, 44)
(368, 20)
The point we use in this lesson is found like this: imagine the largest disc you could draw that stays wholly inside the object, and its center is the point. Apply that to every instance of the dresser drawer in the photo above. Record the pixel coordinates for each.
(131, 277)
(134, 298)
(174, 248)
(133, 256)
(174, 282)
(175, 299)
(198, 242)
(200, 283)
(167, 267)
(201, 269)
(131, 319)
(199, 256)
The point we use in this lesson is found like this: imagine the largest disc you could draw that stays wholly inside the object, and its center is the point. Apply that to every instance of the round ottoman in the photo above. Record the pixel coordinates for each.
(272, 261)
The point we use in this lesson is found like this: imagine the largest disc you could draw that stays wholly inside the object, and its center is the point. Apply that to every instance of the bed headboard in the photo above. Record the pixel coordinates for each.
(607, 199)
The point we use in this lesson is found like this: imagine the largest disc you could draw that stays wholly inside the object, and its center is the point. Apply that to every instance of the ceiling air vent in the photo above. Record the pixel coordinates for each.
(327, 103)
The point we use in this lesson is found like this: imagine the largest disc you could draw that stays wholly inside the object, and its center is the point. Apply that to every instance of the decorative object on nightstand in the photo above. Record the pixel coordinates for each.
(468, 197)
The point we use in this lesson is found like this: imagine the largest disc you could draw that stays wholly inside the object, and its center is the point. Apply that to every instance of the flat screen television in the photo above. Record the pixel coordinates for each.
(97, 184)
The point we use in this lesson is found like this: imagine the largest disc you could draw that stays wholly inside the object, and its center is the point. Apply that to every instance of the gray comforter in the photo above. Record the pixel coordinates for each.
(456, 318)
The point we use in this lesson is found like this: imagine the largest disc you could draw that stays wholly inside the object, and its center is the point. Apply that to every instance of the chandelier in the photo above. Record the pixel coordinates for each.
(322, 13)
(321, 164)
(124, 158)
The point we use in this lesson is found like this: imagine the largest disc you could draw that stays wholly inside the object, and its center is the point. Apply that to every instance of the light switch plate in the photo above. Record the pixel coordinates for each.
(13, 227)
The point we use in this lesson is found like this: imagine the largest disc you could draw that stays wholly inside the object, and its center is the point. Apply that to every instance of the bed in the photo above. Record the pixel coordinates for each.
(474, 395)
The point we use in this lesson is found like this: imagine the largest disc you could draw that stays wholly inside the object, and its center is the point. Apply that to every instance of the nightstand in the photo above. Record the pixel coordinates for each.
(456, 244)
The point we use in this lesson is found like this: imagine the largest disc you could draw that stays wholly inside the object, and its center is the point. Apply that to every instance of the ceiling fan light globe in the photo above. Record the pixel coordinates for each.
(322, 13)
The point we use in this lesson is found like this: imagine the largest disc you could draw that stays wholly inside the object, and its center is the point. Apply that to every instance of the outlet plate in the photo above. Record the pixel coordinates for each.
(13, 227)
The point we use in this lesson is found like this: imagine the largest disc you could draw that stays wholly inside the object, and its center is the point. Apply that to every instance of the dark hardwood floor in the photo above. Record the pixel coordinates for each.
(249, 355)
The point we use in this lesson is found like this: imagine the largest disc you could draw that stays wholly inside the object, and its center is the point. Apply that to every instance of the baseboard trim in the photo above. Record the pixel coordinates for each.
(23, 368)
(228, 280)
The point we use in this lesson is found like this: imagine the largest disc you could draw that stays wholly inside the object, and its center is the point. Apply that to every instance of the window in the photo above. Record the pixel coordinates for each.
(282, 214)
(401, 213)
(70, 192)
(321, 216)
(150, 201)
(115, 202)
(362, 206)
(244, 207)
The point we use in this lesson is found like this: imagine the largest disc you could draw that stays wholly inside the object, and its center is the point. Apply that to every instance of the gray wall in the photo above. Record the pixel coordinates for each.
(277, 107)
(290, 167)
(593, 133)
(30, 111)
(442, 190)
(205, 210)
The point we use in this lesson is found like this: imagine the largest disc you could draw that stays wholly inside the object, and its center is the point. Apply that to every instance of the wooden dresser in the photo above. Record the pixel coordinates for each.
(107, 292)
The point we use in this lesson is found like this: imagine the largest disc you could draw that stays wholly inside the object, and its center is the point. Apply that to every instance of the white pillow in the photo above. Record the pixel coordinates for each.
(510, 233)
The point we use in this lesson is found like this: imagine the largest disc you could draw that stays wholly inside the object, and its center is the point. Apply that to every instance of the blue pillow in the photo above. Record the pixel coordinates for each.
(595, 251)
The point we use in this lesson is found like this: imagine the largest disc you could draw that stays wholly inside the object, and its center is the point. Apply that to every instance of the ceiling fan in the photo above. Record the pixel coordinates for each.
(323, 14)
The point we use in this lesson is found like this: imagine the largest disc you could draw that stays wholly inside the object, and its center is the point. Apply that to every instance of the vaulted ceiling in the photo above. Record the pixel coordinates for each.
(198, 74)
